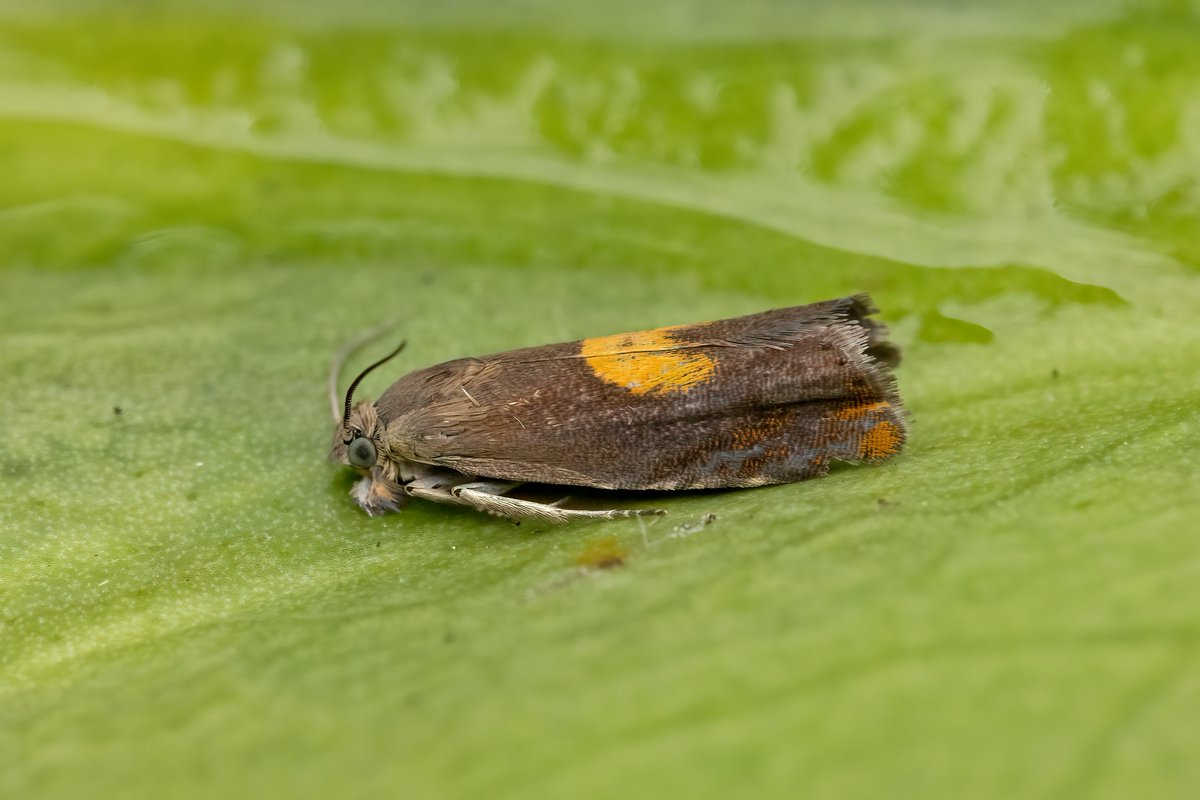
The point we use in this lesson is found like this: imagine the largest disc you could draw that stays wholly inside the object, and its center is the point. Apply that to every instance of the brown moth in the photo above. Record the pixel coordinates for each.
(767, 398)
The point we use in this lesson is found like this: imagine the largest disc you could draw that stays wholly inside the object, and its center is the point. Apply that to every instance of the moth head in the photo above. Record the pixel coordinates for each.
(356, 441)
(357, 438)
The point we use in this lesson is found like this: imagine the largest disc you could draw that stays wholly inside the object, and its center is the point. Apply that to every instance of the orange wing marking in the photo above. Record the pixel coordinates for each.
(646, 362)
(882, 439)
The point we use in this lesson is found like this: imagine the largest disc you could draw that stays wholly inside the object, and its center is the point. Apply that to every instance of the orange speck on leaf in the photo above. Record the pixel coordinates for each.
(603, 554)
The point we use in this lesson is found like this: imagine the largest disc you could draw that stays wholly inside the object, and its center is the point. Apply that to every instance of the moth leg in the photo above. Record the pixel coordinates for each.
(436, 487)
(488, 496)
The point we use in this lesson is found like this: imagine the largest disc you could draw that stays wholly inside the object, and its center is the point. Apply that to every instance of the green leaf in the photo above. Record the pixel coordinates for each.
(199, 207)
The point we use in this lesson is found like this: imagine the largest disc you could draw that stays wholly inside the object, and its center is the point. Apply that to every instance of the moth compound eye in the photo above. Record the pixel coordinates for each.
(361, 453)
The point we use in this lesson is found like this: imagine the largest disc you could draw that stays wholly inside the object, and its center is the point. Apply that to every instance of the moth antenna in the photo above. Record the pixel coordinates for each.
(354, 383)
(339, 361)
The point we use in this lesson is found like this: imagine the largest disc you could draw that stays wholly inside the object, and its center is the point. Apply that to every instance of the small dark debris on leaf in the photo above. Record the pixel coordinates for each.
(883, 503)
(117, 411)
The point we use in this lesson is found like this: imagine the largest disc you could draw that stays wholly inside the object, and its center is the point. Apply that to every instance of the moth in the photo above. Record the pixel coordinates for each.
(769, 398)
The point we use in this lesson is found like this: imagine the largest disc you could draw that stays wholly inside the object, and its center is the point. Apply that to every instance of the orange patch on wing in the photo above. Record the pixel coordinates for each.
(884, 438)
(858, 412)
(770, 423)
(646, 361)
(881, 441)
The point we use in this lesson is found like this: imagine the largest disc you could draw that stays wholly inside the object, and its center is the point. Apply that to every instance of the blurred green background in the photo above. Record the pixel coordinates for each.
(199, 203)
